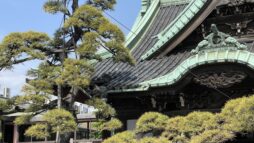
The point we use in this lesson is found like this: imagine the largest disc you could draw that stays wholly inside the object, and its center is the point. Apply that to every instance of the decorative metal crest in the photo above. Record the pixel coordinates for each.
(235, 2)
(218, 40)
(220, 80)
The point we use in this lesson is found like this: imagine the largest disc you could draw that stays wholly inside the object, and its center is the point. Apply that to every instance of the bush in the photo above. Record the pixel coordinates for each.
(153, 140)
(181, 129)
(124, 137)
(111, 125)
(236, 117)
(151, 122)
(39, 131)
(60, 120)
(213, 136)
(196, 123)
(174, 128)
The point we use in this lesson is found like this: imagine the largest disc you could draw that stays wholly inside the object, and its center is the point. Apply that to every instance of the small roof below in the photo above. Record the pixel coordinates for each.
(84, 117)
(17, 114)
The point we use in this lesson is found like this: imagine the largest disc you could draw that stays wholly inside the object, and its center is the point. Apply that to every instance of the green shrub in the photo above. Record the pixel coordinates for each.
(238, 115)
(154, 140)
(196, 122)
(174, 128)
(124, 137)
(111, 125)
(60, 120)
(181, 129)
(213, 136)
(39, 131)
(151, 122)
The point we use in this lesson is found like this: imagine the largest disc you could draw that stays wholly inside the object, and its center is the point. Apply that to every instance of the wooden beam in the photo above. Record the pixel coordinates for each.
(231, 18)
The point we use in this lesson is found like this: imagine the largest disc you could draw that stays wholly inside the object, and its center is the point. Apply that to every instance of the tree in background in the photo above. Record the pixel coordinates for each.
(67, 61)
(236, 118)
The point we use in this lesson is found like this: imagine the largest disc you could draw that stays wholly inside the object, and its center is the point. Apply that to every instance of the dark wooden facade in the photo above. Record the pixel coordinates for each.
(205, 87)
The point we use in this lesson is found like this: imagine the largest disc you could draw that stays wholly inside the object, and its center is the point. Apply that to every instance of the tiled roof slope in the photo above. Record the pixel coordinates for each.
(124, 76)
(164, 17)
(121, 75)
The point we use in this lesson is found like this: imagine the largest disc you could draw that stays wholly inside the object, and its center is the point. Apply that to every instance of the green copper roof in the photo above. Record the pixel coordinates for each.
(142, 22)
(210, 57)
(217, 47)
(174, 2)
(176, 26)
(147, 13)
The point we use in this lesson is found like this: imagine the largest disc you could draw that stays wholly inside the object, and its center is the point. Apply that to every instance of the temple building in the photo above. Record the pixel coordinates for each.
(191, 55)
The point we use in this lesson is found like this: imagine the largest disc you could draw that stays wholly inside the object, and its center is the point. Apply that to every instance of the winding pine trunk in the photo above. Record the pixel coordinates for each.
(59, 105)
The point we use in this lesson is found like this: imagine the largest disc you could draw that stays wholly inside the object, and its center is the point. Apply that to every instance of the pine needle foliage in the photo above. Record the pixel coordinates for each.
(110, 125)
(6, 105)
(103, 4)
(102, 33)
(56, 120)
(213, 136)
(20, 47)
(104, 110)
(21, 120)
(195, 123)
(60, 120)
(154, 140)
(235, 118)
(124, 137)
(151, 122)
(76, 73)
(238, 114)
(66, 62)
(174, 129)
(55, 6)
(32, 99)
(39, 131)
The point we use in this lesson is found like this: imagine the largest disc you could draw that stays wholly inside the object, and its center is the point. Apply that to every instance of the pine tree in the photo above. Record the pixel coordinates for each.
(236, 118)
(66, 59)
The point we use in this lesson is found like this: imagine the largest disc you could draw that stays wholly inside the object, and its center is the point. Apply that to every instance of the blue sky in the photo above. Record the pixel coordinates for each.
(25, 15)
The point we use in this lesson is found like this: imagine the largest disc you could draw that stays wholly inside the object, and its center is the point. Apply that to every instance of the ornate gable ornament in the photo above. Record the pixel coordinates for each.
(218, 40)
(235, 2)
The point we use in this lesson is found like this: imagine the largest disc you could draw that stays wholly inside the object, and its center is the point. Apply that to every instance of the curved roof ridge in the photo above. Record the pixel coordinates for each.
(174, 2)
(174, 27)
(141, 23)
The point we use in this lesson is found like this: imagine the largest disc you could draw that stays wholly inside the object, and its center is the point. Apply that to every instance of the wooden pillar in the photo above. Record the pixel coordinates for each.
(88, 129)
(75, 136)
(15, 134)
